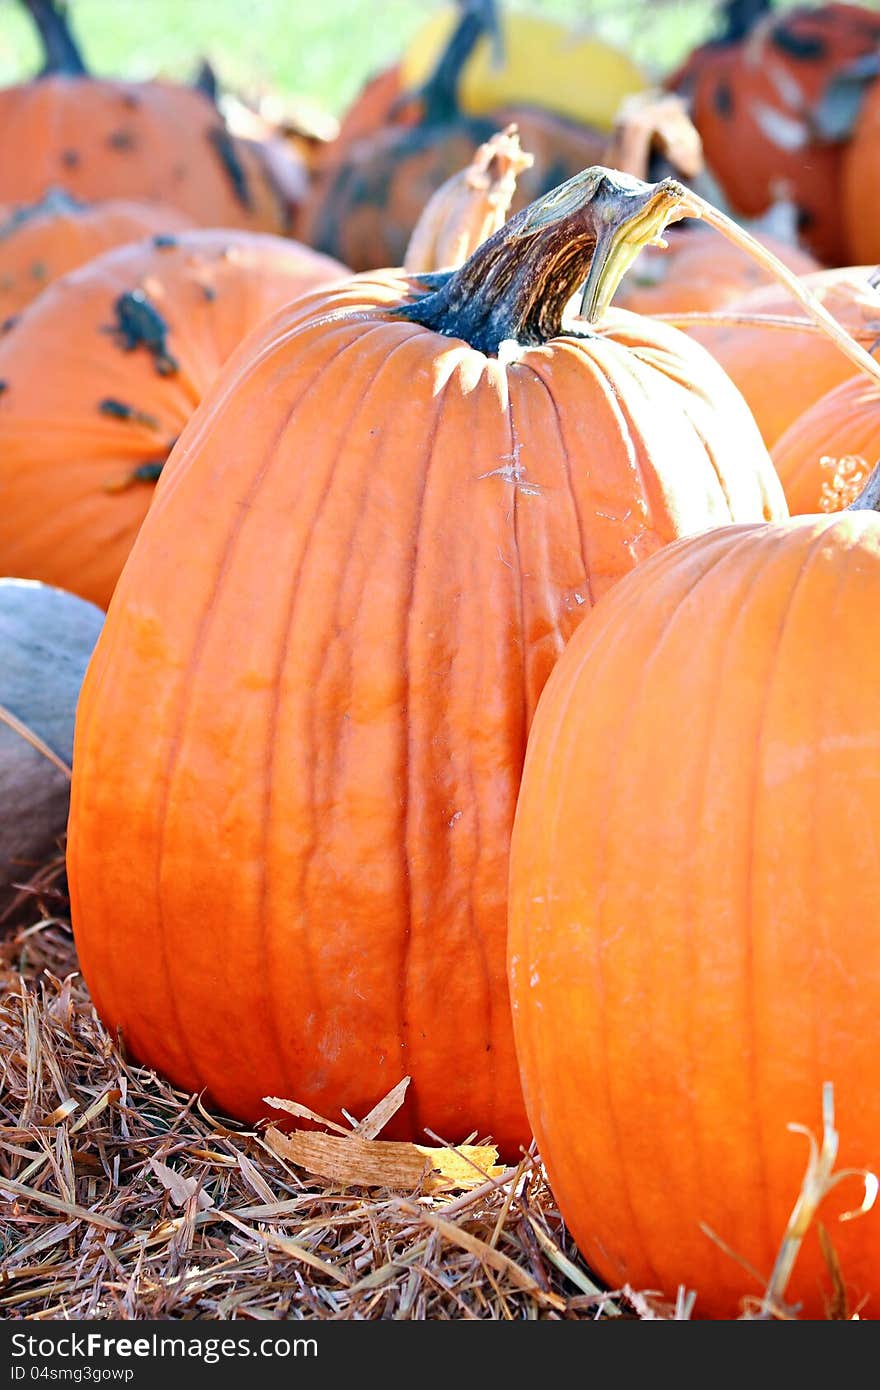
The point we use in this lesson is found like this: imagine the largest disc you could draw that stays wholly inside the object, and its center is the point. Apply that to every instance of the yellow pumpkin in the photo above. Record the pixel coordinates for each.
(545, 63)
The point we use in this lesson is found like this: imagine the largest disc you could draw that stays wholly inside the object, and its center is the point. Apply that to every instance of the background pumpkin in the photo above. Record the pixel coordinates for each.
(694, 883)
(47, 637)
(100, 374)
(42, 240)
(155, 141)
(368, 195)
(699, 270)
(469, 207)
(753, 94)
(311, 835)
(861, 176)
(825, 457)
(529, 59)
(783, 371)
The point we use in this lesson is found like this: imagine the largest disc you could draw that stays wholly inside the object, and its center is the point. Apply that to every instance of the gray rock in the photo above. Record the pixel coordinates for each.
(46, 638)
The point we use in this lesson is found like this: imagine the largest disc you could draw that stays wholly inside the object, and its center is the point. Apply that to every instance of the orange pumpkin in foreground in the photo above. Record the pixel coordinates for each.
(43, 240)
(781, 370)
(825, 458)
(693, 911)
(155, 141)
(370, 547)
(98, 377)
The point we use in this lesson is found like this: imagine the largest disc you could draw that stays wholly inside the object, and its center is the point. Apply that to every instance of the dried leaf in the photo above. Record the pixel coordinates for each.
(352, 1161)
(375, 1122)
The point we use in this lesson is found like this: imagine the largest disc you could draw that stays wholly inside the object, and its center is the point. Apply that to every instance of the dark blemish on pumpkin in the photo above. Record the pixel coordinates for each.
(144, 473)
(722, 100)
(70, 159)
(804, 48)
(130, 100)
(224, 147)
(147, 472)
(164, 241)
(39, 270)
(805, 219)
(121, 140)
(118, 410)
(4, 386)
(209, 292)
(9, 323)
(139, 324)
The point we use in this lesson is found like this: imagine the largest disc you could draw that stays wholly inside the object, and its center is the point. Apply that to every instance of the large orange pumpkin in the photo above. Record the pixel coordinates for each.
(783, 371)
(100, 138)
(695, 883)
(100, 374)
(41, 241)
(372, 543)
(754, 93)
(825, 457)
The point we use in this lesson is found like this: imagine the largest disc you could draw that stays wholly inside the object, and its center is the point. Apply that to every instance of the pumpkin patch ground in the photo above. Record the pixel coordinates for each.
(376, 973)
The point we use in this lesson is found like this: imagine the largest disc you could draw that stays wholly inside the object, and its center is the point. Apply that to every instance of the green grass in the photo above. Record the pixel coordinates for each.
(321, 50)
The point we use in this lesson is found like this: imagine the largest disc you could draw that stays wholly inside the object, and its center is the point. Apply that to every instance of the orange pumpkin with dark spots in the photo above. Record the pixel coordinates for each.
(754, 93)
(41, 241)
(100, 374)
(157, 141)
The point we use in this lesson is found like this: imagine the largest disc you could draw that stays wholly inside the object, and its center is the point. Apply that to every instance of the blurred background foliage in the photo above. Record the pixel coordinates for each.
(320, 51)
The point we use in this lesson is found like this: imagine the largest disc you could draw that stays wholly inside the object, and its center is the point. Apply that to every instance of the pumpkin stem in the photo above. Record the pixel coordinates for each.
(439, 96)
(740, 18)
(695, 206)
(868, 499)
(62, 56)
(516, 286)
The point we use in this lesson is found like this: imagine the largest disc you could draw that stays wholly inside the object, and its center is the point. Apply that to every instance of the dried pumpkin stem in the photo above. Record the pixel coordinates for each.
(440, 92)
(740, 18)
(59, 46)
(516, 286)
(695, 206)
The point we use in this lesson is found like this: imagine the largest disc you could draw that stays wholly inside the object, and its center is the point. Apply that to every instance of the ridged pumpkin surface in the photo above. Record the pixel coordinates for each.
(158, 141)
(694, 892)
(825, 458)
(100, 374)
(40, 242)
(369, 550)
(783, 371)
